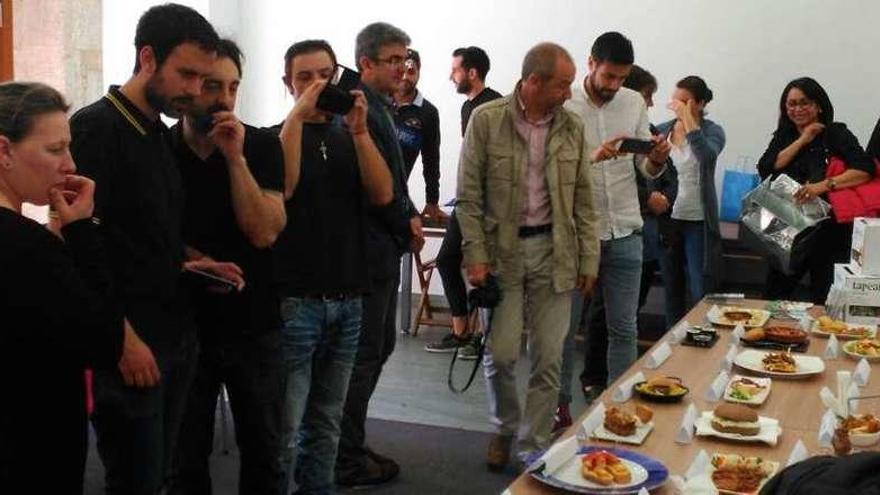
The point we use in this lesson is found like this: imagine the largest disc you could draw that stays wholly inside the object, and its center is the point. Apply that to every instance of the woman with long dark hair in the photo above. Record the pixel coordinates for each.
(53, 322)
(806, 137)
(692, 265)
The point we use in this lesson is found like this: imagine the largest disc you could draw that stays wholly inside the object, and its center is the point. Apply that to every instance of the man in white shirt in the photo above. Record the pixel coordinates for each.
(611, 113)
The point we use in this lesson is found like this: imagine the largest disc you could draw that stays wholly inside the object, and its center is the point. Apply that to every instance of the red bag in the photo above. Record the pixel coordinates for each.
(852, 202)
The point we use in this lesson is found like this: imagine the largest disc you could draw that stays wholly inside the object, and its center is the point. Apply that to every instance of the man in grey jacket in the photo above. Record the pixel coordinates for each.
(526, 216)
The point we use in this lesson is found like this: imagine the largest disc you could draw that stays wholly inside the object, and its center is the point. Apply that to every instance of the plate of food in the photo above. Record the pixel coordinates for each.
(739, 475)
(738, 422)
(825, 326)
(625, 427)
(865, 348)
(863, 429)
(778, 337)
(747, 390)
(779, 364)
(731, 316)
(661, 389)
(604, 470)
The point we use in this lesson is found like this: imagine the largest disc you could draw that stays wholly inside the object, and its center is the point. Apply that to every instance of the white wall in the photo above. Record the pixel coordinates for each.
(746, 50)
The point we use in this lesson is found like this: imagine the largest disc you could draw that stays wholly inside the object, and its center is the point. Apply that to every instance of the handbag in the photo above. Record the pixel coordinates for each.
(737, 182)
(851, 202)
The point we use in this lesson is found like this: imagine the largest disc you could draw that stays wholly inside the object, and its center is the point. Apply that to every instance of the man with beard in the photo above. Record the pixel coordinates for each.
(526, 215)
(469, 68)
(233, 176)
(418, 131)
(610, 113)
(120, 142)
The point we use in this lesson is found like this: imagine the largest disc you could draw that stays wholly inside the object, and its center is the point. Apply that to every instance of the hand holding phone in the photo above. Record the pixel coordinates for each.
(636, 146)
(336, 97)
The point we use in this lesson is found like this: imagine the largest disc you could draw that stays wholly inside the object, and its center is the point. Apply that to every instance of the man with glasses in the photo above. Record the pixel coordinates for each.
(418, 131)
(380, 53)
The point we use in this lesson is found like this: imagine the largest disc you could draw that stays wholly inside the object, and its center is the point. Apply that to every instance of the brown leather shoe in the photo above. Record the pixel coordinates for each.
(498, 454)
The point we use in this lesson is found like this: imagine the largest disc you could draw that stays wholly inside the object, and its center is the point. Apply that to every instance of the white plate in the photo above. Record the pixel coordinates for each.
(756, 399)
(769, 468)
(818, 331)
(846, 349)
(769, 433)
(758, 319)
(805, 366)
(637, 438)
(570, 473)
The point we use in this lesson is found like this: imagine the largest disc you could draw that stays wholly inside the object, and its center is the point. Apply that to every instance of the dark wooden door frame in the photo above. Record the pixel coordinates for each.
(6, 40)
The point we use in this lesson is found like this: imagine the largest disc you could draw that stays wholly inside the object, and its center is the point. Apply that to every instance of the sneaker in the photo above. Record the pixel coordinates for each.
(471, 349)
(373, 473)
(562, 418)
(449, 343)
(498, 453)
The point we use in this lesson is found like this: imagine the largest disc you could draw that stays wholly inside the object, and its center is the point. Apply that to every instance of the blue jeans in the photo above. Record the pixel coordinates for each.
(683, 268)
(319, 342)
(620, 273)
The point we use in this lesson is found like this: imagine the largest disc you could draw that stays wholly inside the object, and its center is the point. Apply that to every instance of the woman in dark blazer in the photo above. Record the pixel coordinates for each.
(805, 138)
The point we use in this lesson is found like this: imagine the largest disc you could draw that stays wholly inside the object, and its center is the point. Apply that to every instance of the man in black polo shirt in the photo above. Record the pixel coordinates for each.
(122, 145)
(418, 131)
(469, 68)
(233, 176)
(321, 263)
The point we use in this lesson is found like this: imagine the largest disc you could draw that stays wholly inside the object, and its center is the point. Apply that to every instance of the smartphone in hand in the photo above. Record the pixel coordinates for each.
(637, 146)
(212, 282)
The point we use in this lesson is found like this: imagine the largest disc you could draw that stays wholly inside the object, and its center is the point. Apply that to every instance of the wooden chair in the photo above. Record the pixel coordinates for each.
(425, 315)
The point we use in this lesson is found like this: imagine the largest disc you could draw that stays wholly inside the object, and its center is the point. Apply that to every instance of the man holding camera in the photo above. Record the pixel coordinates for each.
(320, 260)
(526, 215)
(233, 176)
(611, 113)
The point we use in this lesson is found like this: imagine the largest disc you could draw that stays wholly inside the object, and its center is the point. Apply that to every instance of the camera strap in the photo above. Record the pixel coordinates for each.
(475, 312)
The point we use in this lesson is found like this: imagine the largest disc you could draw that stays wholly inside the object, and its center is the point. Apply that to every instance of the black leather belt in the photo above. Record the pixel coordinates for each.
(531, 231)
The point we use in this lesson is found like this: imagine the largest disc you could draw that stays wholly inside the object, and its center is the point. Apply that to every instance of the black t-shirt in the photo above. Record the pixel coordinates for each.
(811, 161)
(322, 249)
(57, 319)
(418, 131)
(209, 226)
(873, 148)
(488, 94)
(139, 200)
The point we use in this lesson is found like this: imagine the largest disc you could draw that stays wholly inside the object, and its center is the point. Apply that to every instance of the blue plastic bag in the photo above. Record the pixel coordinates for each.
(734, 187)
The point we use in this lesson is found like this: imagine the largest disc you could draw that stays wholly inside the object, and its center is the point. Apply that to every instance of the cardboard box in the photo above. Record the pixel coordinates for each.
(848, 276)
(866, 245)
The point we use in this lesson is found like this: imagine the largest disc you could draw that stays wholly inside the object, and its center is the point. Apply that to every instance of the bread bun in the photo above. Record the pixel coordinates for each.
(737, 419)
(645, 414)
(754, 335)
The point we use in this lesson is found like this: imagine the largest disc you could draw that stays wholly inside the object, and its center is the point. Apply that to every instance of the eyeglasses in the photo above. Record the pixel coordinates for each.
(792, 104)
(395, 60)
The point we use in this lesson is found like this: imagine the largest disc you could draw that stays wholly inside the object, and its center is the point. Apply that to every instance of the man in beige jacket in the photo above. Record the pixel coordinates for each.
(526, 215)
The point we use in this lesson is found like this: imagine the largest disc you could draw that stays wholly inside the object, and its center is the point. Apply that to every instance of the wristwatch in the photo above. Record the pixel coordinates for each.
(831, 184)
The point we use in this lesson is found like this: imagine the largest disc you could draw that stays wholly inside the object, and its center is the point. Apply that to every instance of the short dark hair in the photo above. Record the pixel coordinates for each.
(613, 47)
(373, 37)
(226, 48)
(812, 90)
(20, 105)
(541, 60)
(639, 79)
(306, 46)
(415, 57)
(165, 27)
(474, 57)
(696, 86)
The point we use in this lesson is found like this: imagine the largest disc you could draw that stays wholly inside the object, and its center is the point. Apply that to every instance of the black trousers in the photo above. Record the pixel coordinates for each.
(595, 371)
(833, 244)
(252, 369)
(376, 343)
(449, 260)
(137, 427)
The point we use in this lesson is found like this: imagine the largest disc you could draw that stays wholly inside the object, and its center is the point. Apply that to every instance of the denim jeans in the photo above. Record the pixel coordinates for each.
(252, 369)
(137, 427)
(620, 273)
(319, 341)
(683, 268)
